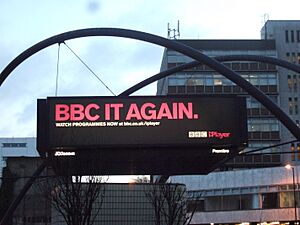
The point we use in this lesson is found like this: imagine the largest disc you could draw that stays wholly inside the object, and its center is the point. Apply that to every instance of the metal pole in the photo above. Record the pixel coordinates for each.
(294, 189)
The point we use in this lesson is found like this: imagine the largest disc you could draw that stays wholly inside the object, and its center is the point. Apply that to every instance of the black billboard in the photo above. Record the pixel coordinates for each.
(207, 125)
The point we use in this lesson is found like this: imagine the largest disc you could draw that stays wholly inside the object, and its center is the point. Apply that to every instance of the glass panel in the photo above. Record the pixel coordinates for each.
(209, 80)
(218, 79)
(176, 81)
(286, 199)
(263, 80)
(194, 81)
(272, 79)
(253, 80)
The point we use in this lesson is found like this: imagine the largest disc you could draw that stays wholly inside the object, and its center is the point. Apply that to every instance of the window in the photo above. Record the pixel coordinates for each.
(170, 65)
(295, 82)
(290, 82)
(195, 206)
(253, 66)
(173, 81)
(272, 79)
(218, 79)
(193, 82)
(296, 105)
(270, 200)
(293, 57)
(246, 77)
(263, 79)
(286, 36)
(298, 35)
(288, 56)
(253, 80)
(298, 57)
(290, 106)
(227, 82)
(14, 145)
(263, 125)
(252, 103)
(271, 67)
(286, 199)
(292, 36)
(262, 66)
(209, 80)
(244, 66)
(236, 66)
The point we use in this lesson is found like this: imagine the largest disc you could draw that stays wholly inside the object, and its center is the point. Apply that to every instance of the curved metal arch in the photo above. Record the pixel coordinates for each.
(226, 58)
(179, 47)
(186, 50)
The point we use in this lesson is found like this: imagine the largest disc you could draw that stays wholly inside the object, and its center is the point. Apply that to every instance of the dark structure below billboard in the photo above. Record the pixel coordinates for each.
(141, 135)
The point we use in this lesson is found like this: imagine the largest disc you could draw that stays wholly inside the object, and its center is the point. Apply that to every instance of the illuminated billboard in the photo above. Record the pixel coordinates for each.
(207, 125)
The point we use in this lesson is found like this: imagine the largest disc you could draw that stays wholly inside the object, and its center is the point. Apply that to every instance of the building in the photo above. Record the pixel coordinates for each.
(10, 147)
(117, 203)
(128, 204)
(287, 41)
(239, 196)
(263, 128)
(34, 207)
(256, 196)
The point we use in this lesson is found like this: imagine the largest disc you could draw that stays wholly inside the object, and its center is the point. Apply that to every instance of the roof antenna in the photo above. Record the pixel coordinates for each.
(266, 18)
(173, 33)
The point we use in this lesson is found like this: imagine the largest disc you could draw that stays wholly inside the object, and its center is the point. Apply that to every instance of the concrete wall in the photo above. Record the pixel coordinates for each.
(244, 216)
(239, 178)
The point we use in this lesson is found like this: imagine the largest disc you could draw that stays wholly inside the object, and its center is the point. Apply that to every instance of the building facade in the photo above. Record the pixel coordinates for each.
(132, 204)
(10, 147)
(287, 41)
(256, 196)
(117, 203)
(249, 195)
(263, 127)
(34, 208)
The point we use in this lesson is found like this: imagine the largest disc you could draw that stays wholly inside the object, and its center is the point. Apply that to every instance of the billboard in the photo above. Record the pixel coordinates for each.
(207, 124)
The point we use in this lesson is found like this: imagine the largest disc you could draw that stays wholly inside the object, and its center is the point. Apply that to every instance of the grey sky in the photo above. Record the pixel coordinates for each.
(119, 62)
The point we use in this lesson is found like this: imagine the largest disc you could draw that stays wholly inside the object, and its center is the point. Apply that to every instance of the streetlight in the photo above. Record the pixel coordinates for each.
(288, 166)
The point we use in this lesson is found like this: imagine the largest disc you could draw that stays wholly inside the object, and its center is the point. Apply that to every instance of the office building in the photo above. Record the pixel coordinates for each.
(245, 194)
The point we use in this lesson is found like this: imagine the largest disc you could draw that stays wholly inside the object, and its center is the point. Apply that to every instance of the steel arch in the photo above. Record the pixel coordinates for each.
(154, 39)
(186, 50)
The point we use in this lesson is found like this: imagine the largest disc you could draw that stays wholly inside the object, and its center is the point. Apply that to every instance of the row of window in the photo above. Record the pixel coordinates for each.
(261, 112)
(263, 135)
(292, 36)
(236, 66)
(295, 147)
(253, 103)
(14, 145)
(262, 144)
(293, 57)
(263, 125)
(293, 106)
(253, 160)
(192, 79)
(245, 202)
(182, 89)
(293, 82)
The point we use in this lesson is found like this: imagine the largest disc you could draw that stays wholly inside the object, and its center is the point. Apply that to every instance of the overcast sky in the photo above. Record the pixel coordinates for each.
(120, 63)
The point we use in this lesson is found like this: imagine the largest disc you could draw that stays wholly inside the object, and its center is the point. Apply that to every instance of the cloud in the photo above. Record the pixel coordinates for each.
(119, 62)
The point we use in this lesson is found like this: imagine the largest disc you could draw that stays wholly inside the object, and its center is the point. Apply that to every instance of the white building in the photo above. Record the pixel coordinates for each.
(251, 196)
(10, 147)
